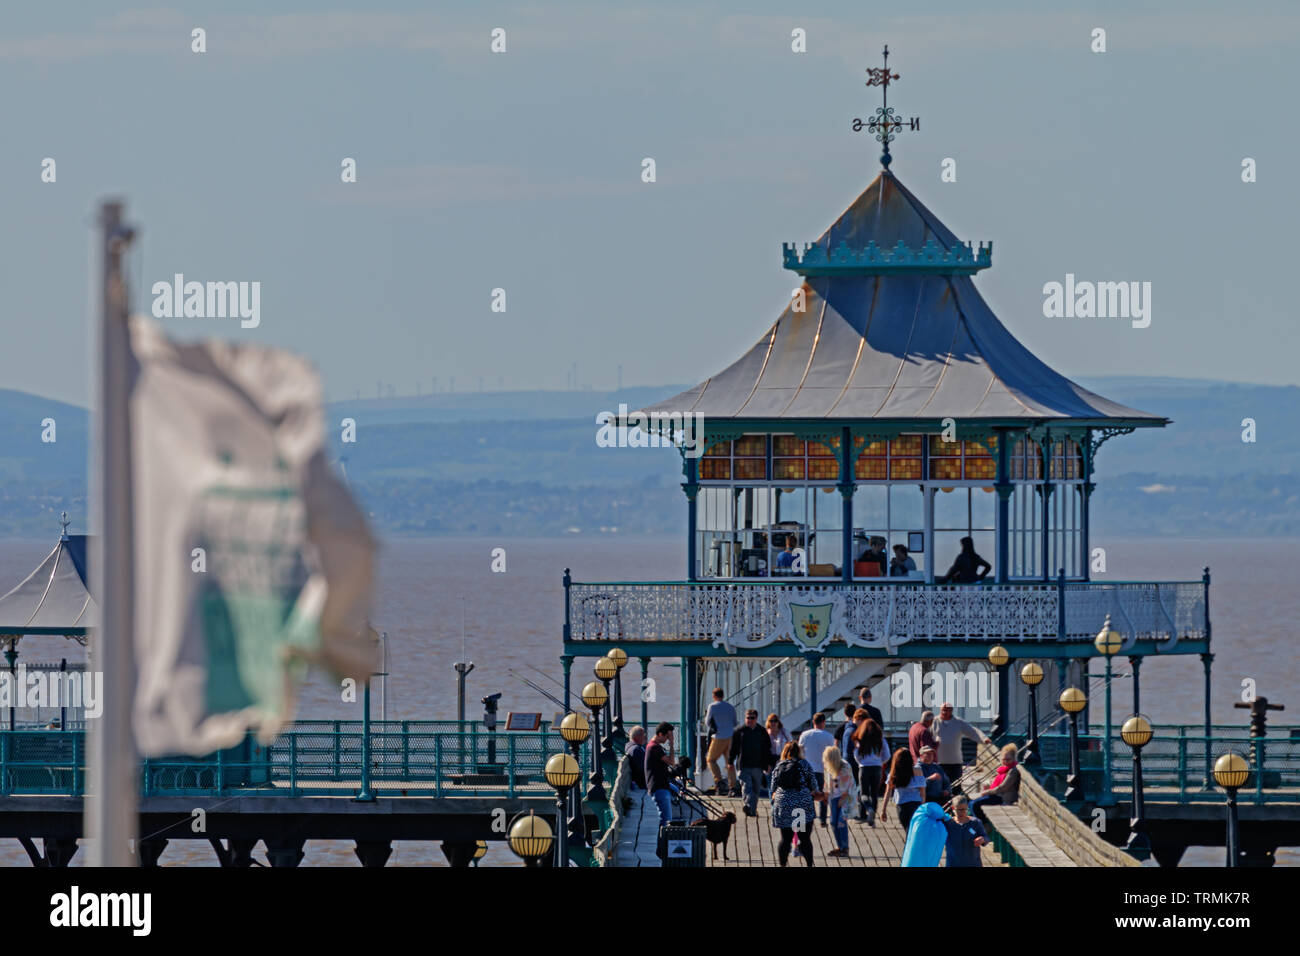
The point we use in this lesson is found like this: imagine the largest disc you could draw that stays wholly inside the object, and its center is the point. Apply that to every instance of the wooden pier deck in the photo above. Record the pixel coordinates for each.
(754, 839)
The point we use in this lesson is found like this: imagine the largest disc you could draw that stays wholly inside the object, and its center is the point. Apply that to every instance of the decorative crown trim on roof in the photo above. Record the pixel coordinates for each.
(931, 259)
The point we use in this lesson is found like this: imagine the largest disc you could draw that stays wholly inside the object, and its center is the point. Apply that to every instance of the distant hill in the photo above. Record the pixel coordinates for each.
(528, 463)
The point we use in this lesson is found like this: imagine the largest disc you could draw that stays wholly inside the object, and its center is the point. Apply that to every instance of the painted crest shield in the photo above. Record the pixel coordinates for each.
(811, 623)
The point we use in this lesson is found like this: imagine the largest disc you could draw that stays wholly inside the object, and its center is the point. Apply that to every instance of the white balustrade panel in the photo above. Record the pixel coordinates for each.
(741, 613)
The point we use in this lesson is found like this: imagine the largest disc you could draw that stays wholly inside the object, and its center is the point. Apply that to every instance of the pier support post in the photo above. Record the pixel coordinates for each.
(284, 851)
(235, 853)
(149, 849)
(1168, 854)
(373, 853)
(459, 853)
(59, 851)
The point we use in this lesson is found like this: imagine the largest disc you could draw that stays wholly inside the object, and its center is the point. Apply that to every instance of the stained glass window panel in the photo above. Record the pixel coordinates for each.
(715, 469)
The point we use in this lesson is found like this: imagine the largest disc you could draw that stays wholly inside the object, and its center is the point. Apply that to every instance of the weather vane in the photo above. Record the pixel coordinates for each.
(886, 124)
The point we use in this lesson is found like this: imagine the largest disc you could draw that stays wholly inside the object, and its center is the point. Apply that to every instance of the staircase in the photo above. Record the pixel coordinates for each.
(781, 686)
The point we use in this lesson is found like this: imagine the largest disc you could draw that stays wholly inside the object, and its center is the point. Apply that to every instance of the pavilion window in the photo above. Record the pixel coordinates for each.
(895, 512)
(961, 512)
(1065, 524)
(742, 525)
(898, 459)
(962, 460)
(1025, 536)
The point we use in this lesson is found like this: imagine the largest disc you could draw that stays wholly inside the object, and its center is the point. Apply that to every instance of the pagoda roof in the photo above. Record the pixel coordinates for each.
(55, 598)
(876, 344)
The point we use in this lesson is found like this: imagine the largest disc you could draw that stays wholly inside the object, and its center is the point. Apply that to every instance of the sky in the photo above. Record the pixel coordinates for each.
(522, 171)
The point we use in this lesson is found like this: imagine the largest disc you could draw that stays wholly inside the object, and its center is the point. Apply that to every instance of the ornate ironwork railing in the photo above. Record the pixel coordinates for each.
(748, 613)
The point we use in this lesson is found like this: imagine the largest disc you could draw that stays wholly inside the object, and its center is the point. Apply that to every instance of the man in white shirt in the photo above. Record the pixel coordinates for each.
(813, 743)
(949, 731)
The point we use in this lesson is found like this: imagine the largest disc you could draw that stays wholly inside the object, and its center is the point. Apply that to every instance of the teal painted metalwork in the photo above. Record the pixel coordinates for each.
(313, 758)
(871, 260)
(1170, 771)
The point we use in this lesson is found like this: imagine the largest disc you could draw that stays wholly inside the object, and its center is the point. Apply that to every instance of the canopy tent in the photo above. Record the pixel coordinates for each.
(898, 345)
(55, 598)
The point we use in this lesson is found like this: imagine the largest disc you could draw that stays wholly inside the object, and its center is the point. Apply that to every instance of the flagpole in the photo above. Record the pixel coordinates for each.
(111, 787)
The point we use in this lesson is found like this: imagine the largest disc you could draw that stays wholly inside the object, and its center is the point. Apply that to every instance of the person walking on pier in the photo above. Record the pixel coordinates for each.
(1004, 788)
(965, 835)
(949, 731)
(813, 742)
(844, 737)
(864, 703)
(936, 781)
(907, 785)
(721, 717)
(920, 735)
(751, 752)
(635, 751)
(793, 795)
(840, 796)
(873, 756)
(780, 737)
(658, 766)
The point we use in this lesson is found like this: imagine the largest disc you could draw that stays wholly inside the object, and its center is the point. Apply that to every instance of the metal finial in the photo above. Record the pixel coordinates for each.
(886, 123)
(65, 522)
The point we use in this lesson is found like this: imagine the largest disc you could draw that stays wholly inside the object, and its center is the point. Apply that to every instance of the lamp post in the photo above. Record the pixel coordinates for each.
(1136, 732)
(530, 838)
(1230, 772)
(1031, 675)
(999, 658)
(1072, 702)
(620, 661)
(606, 670)
(575, 730)
(1108, 643)
(595, 697)
(563, 773)
(480, 850)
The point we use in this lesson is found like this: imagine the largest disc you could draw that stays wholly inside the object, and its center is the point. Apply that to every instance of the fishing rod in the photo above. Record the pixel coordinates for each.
(539, 689)
(558, 683)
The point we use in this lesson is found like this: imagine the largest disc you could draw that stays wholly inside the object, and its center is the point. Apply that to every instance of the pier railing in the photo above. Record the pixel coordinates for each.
(1174, 764)
(315, 758)
(748, 612)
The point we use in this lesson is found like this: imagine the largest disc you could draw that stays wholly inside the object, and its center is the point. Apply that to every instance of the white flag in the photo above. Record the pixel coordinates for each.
(251, 559)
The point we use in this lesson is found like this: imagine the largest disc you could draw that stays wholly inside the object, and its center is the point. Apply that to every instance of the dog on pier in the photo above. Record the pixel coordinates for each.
(718, 831)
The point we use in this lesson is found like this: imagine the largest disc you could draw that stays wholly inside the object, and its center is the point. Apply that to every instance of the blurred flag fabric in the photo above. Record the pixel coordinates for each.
(251, 558)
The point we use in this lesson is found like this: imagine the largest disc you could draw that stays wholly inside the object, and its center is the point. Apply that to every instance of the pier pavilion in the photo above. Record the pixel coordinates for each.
(887, 406)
